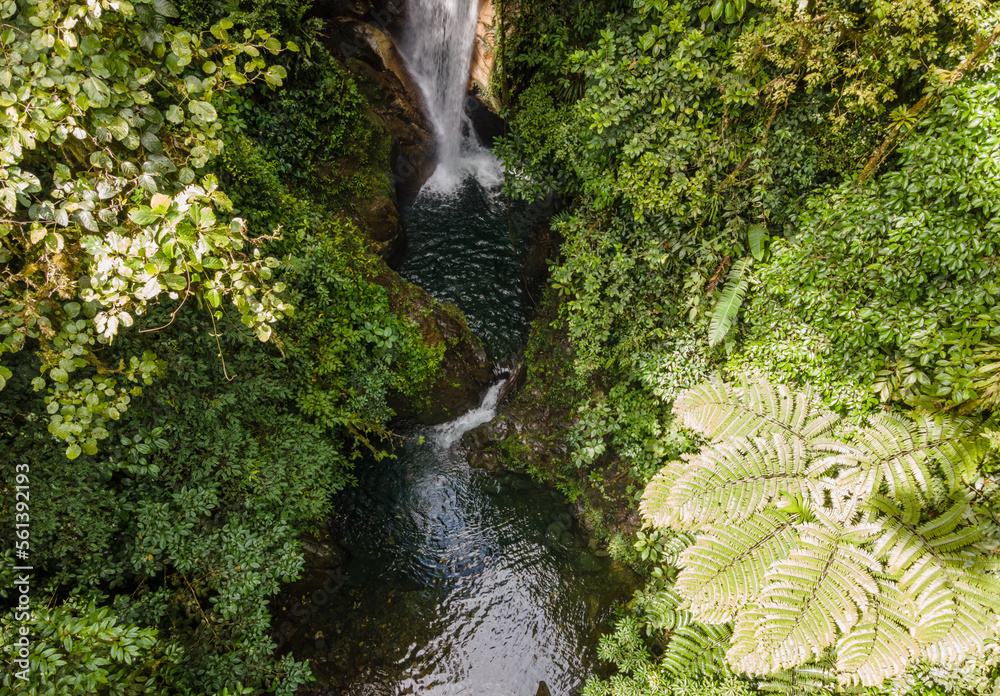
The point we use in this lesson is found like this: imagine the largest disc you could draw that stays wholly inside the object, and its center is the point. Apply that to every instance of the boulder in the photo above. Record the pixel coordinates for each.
(465, 371)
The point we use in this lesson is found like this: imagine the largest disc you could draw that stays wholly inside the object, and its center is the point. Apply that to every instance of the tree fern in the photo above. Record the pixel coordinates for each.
(908, 455)
(812, 545)
(729, 303)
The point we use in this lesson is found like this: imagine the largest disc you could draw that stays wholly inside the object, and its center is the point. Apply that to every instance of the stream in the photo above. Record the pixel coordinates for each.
(459, 581)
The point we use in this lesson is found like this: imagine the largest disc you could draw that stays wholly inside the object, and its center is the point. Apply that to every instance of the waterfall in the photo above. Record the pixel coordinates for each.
(437, 46)
(447, 434)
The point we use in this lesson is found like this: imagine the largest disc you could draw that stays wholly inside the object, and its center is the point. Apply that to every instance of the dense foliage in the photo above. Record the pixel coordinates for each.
(195, 347)
(798, 191)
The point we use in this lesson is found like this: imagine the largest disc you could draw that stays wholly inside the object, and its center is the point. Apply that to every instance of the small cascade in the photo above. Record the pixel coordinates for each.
(437, 46)
(447, 434)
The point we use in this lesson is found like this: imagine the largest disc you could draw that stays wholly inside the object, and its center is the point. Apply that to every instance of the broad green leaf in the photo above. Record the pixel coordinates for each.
(202, 111)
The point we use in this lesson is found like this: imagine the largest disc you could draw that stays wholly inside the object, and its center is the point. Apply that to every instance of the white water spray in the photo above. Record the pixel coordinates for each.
(437, 46)
(447, 434)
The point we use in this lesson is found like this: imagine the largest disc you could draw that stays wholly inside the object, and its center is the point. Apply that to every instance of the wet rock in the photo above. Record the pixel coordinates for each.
(387, 15)
(514, 382)
(567, 539)
(465, 370)
(487, 461)
(542, 249)
(379, 216)
(360, 33)
(322, 555)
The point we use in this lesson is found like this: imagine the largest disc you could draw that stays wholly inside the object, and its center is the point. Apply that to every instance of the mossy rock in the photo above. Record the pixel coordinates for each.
(465, 368)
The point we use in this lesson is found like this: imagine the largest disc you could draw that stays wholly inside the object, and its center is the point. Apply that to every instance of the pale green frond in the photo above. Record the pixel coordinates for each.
(974, 607)
(906, 454)
(662, 610)
(956, 445)
(655, 506)
(674, 545)
(743, 654)
(889, 450)
(932, 571)
(903, 542)
(720, 411)
(881, 644)
(699, 650)
(815, 546)
(729, 482)
(725, 569)
(820, 590)
(815, 679)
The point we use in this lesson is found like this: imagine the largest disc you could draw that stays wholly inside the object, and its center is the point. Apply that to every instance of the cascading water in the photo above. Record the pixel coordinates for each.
(437, 46)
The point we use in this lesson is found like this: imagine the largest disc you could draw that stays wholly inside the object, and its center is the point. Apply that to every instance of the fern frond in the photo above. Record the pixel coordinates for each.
(866, 550)
(743, 654)
(654, 506)
(881, 644)
(721, 411)
(729, 303)
(757, 236)
(952, 600)
(902, 452)
(988, 372)
(698, 649)
(903, 542)
(956, 445)
(662, 611)
(975, 598)
(815, 679)
(725, 569)
(822, 588)
(730, 482)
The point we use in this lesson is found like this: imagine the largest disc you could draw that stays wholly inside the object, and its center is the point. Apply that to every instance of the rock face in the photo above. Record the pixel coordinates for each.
(466, 370)
(387, 15)
(359, 34)
(381, 75)
(484, 53)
